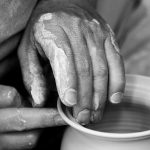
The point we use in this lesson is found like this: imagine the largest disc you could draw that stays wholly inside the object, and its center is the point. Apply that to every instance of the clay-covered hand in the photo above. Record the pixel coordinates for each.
(84, 57)
(19, 125)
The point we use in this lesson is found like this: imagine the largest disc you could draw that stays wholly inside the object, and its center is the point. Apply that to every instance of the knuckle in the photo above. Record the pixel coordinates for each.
(18, 126)
(48, 119)
(43, 29)
(84, 68)
(94, 25)
(18, 123)
(46, 16)
(43, 119)
(102, 72)
(99, 29)
(96, 22)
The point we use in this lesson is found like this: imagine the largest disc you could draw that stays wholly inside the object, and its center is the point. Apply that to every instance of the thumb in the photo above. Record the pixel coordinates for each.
(32, 71)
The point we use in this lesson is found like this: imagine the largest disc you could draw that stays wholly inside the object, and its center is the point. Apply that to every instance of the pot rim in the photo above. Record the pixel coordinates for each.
(135, 83)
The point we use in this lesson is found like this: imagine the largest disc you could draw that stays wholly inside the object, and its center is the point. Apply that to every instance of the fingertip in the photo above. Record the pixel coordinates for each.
(32, 139)
(116, 98)
(70, 97)
(83, 117)
(59, 121)
(96, 116)
(36, 105)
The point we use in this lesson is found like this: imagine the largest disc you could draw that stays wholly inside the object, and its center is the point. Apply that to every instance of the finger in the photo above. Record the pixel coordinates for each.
(95, 41)
(116, 71)
(32, 70)
(82, 60)
(56, 46)
(20, 119)
(9, 97)
(18, 141)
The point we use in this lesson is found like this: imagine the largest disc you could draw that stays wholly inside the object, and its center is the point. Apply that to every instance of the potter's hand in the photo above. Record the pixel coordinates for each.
(18, 124)
(82, 52)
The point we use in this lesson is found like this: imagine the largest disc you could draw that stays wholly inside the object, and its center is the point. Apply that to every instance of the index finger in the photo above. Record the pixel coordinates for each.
(116, 71)
(20, 119)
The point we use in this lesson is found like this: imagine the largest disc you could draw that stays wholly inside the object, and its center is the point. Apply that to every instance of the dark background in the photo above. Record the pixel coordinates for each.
(50, 138)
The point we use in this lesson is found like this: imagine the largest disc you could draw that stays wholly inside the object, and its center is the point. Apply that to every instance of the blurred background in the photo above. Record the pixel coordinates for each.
(130, 20)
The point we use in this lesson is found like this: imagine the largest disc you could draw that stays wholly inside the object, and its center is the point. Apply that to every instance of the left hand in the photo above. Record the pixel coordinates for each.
(20, 126)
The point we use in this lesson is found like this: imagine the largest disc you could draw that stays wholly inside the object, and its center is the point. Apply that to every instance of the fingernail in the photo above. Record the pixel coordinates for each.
(83, 117)
(70, 97)
(116, 98)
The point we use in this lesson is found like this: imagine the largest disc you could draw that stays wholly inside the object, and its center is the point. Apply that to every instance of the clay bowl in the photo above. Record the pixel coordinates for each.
(125, 126)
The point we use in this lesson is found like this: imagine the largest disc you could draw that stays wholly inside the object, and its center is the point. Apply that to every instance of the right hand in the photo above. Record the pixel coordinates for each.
(80, 48)
(18, 123)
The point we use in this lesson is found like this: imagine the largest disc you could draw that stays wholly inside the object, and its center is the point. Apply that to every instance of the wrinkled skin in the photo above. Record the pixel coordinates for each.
(18, 122)
(81, 50)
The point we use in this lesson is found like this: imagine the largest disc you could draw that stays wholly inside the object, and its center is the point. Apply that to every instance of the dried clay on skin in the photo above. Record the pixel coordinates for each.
(36, 91)
(21, 119)
(56, 55)
(94, 20)
(37, 87)
(113, 41)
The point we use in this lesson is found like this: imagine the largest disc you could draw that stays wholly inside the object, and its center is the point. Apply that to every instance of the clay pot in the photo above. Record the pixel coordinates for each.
(124, 127)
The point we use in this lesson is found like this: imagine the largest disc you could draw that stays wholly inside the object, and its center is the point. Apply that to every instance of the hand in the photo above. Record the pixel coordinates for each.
(18, 125)
(81, 49)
